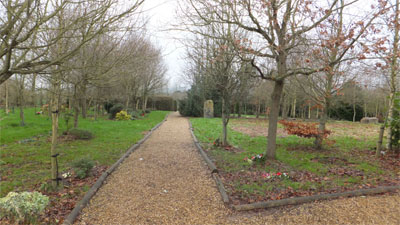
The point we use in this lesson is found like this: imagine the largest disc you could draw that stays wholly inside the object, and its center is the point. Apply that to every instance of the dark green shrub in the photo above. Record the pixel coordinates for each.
(108, 106)
(165, 103)
(344, 111)
(82, 167)
(67, 115)
(134, 114)
(115, 109)
(81, 134)
(147, 111)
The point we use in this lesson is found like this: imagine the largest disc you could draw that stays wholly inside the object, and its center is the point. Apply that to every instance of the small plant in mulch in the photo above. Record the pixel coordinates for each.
(82, 167)
(217, 143)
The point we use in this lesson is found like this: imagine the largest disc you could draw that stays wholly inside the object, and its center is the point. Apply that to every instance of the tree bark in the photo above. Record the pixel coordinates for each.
(284, 107)
(224, 123)
(137, 104)
(273, 119)
(6, 107)
(240, 109)
(321, 128)
(33, 90)
(21, 99)
(393, 74)
(127, 102)
(84, 106)
(380, 141)
(54, 108)
(294, 105)
(76, 107)
(390, 118)
(145, 98)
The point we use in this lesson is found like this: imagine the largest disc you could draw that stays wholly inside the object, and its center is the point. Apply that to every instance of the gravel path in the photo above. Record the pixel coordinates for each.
(166, 182)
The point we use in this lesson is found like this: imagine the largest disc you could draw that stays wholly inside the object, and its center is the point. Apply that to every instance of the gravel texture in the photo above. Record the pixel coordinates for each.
(165, 181)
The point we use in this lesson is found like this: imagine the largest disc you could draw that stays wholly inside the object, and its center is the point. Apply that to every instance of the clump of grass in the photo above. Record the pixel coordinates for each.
(80, 134)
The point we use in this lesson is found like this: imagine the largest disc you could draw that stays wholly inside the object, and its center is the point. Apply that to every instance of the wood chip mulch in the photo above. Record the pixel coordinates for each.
(166, 182)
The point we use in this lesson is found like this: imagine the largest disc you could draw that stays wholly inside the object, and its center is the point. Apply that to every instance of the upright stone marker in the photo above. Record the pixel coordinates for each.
(208, 109)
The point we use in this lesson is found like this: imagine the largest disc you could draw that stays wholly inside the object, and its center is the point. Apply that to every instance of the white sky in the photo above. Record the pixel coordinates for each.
(162, 15)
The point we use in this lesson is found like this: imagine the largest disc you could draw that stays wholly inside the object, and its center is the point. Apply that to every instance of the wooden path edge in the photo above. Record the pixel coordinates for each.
(70, 219)
(211, 166)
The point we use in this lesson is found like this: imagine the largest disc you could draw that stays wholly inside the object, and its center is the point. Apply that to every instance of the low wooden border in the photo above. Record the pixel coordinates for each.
(301, 200)
(70, 219)
(287, 201)
(210, 164)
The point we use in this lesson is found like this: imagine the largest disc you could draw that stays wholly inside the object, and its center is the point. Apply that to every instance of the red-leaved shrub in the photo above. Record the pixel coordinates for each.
(306, 130)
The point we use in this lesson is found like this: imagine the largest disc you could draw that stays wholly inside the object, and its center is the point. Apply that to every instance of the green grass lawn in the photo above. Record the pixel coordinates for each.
(25, 151)
(345, 163)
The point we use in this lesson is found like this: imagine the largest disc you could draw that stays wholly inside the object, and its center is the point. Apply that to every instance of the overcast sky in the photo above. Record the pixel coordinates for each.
(162, 15)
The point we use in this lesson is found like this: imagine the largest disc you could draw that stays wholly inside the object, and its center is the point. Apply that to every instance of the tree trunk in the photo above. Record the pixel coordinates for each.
(380, 141)
(137, 104)
(96, 110)
(144, 103)
(21, 114)
(393, 74)
(284, 107)
(6, 107)
(240, 109)
(84, 106)
(309, 110)
(127, 102)
(321, 128)
(224, 123)
(390, 118)
(365, 109)
(54, 108)
(21, 99)
(76, 108)
(273, 119)
(33, 90)
(294, 106)
(258, 109)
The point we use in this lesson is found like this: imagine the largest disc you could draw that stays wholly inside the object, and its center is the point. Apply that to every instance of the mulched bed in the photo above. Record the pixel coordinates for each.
(64, 201)
(339, 168)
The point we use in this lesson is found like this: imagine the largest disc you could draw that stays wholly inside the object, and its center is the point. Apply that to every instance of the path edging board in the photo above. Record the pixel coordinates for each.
(312, 198)
(287, 201)
(70, 219)
(211, 166)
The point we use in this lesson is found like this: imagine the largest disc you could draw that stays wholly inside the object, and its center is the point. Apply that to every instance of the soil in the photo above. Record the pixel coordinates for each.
(166, 182)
